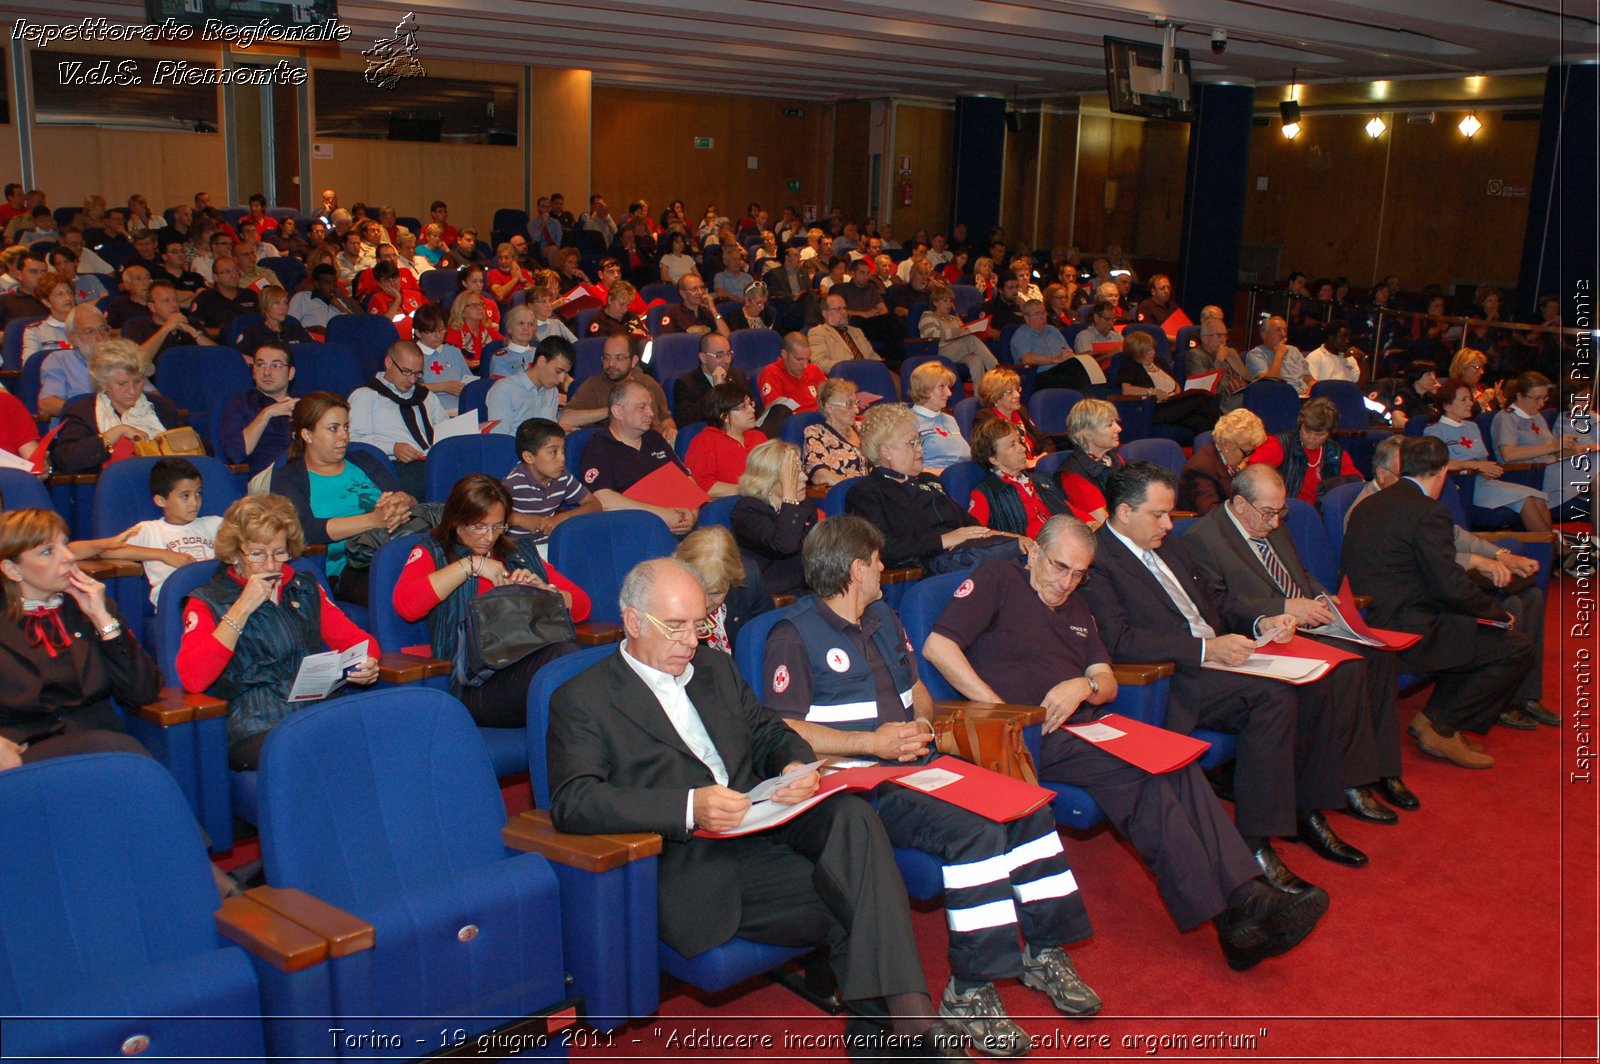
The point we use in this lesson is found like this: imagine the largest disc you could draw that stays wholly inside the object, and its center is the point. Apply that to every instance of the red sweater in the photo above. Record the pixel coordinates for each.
(414, 597)
(716, 457)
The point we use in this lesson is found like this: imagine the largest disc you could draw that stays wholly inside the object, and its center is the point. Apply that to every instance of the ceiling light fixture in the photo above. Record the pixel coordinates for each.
(1376, 128)
(1470, 125)
(1290, 109)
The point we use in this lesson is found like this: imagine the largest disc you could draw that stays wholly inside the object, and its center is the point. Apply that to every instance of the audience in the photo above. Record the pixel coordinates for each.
(1011, 497)
(836, 339)
(773, 516)
(691, 391)
(1275, 359)
(254, 430)
(394, 413)
(940, 322)
(1207, 477)
(833, 448)
(717, 455)
(103, 426)
(1095, 432)
(793, 377)
(1308, 459)
(543, 490)
(1143, 374)
(627, 450)
(1000, 396)
(593, 401)
(49, 334)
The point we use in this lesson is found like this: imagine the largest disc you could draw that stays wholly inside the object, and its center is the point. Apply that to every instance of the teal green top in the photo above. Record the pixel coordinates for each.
(349, 493)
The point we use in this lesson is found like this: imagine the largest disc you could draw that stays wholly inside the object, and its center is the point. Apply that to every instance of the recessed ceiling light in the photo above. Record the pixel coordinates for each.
(1376, 127)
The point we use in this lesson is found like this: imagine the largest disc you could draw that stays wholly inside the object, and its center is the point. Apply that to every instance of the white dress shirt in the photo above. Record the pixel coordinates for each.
(671, 693)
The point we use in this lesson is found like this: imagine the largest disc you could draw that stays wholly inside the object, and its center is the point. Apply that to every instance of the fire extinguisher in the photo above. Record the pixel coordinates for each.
(905, 188)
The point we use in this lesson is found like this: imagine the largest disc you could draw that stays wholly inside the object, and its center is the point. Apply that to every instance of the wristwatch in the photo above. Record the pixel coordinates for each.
(110, 631)
(1094, 686)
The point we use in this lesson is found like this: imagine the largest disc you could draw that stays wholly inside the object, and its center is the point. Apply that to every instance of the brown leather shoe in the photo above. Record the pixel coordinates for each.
(1421, 721)
(1454, 749)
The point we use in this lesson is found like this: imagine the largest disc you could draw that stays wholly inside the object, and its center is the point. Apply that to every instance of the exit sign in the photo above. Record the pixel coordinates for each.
(704, 142)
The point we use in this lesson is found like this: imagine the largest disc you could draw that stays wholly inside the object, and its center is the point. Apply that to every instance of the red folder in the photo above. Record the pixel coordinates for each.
(1110, 347)
(1299, 646)
(1142, 745)
(1352, 616)
(1175, 321)
(41, 453)
(980, 790)
(1204, 382)
(671, 487)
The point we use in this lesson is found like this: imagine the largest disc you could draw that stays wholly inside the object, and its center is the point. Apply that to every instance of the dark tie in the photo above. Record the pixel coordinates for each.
(1276, 570)
(855, 352)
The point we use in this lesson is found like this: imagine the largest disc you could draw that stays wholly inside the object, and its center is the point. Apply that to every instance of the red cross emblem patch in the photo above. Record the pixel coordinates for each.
(838, 660)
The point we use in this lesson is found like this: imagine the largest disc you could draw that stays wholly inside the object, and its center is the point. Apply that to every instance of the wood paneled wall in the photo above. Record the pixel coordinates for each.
(852, 165)
(643, 145)
(1130, 185)
(927, 134)
(474, 179)
(1325, 188)
(72, 161)
(561, 103)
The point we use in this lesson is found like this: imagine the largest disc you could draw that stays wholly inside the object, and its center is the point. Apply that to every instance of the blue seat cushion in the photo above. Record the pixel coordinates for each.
(726, 965)
(508, 750)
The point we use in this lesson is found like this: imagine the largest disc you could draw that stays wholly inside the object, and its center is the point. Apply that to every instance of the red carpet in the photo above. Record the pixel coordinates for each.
(1470, 935)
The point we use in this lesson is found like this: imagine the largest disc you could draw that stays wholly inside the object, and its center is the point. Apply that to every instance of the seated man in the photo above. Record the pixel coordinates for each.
(65, 373)
(133, 301)
(1038, 343)
(397, 416)
(836, 340)
(627, 451)
(793, 376)
(841, 674)
(1241, 549)
(167, 326)
(534, 392)
(323, 302)
(696, 311)
(1399, 549)
(1003, 309)
(255, 428)
(631, 749)
(731, 281)
(716, 367)
(216, 307)
(1152, 607)
(543, 491)
(1336, 359)
(867, 309)
(618, 362)
(1275, 359)
(218, 245)
(175, 268)
(247, 255)
(1159, 307)
(1202, 867)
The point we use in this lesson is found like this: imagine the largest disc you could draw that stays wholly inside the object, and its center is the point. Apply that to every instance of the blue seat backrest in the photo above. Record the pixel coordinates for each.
(673, 355)
(375, 453)
(754, 350)
(577, 440)
(291, 271)
(794, 428)
(1164, 453)
(659, 290)
(717, 512)
(1051, 464)
(580, 324)
(23, 491)
(1276, 403)
(686, 435)
(1049, 407)
(377, 792)
(201, 379)
(595, 551)
(449, 460)
(1311, 543)
(1335, 505)
(833, 502)
(960, 478)
(914, 315)
(368, 335)
(1346, 395)
(475, 396)
(909, 366)
(868, 375)
(326, 368)
(438, 285)
(968, 299)
(1188, 337)
(750, 652)
(587, 352)
(1451, 497)
(966, 412)
(237, 327)
(919, 610)
(393, 632)
(1004, 353)
(122, 494)
(653, 316)
(1485, 420)
(32, 381)
(1201, 439)
(11, 345)
(545, 683)
(169, 613)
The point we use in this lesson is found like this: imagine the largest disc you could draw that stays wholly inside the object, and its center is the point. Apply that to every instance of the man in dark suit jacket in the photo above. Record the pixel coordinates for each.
(663, 736)
(1288, 766)
(716, 366)
(1227, 546)
(1398, 549)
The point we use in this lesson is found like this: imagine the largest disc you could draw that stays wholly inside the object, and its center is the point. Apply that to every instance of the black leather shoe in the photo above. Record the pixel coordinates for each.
(1516, 718)
(1277, 874)
(1316, 833)
(1360, 803)
(1541, 713)
(1267, 924)
(1393, 790)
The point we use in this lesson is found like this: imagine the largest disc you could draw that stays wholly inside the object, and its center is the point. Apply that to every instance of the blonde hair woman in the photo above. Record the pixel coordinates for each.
(940, 322)
(713, 556)
(773, 515)
(932, 384)
(1207, 478)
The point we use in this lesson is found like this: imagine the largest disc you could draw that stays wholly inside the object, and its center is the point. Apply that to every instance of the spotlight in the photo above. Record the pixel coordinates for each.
(1291, 130)
(1375, 128)
(1470, 125)
(1290, 110)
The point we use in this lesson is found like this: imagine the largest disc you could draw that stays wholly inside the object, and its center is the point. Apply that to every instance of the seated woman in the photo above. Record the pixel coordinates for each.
(942, 443)
(753, 312)
(542, 301)
(675, 261)
(1460, 435)
(716, 457)
(246, 632)
(473, 279)
(104, 425)
(337, 495)
(921, 524)
(1000, 397)
(1306, 456)
(1095, 433)
(940, 322)
(466, 555)
(275, 324)
(734, 594)
(1207, 478)
(984, 277)
(521, 338)
(615, 318)
(773, 516)
(1144, 374)
(1012, 498)
(1469, 366)
(469, 328)
(67, 653)
(1058, 305)
(59, 295)
(1521, 435)
(833, 448)
(1417, 395)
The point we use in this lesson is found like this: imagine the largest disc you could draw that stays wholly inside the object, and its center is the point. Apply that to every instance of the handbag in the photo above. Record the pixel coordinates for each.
(358, 550)
(991, 738)
(181, 440)
(504, 625)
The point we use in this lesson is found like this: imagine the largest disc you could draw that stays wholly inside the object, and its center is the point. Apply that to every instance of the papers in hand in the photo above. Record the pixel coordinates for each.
(1345, 610)
(1339, 628)
(322, 674)
(467, 424)
(1268, 636)
(1276, 667)
(977, 326)
(766, 788)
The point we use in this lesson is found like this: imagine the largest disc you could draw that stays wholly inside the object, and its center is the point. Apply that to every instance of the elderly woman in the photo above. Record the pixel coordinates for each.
(1469, 366)
(733, 593)
(468, 554)
(1000, 397)
(67, 653)
(984, 277)
(1095, 432)
(105, 424)
(833, 448)
(717, 455)
(942, 443)
(1306, 456)
(275, 324)
(336, 495)
(1207, 478)
(1520, 434)
(753, 312)
(569, 274)
(246, 632)
(940, 322)
(1142, 373)
(1012, 497)
(773, 516)
(59, 295)
(921, 524)
(470, 330)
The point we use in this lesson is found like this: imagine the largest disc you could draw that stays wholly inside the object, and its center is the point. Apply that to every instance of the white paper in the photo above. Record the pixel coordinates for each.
(15, 461)
(322, 674)
(467, 424)
(1275, 667)
(1268, 636)
(930, 779)
(766, 788)
(840, 764)
(1095, 732)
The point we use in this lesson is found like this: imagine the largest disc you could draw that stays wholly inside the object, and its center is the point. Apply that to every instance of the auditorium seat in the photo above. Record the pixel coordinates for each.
(449, 460)
(595, 551)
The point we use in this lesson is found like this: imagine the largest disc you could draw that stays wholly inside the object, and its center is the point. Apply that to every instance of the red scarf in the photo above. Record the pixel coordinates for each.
(43, 628)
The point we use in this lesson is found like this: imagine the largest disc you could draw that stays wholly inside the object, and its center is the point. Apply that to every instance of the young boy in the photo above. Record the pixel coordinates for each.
(543, 492)
(180, 536)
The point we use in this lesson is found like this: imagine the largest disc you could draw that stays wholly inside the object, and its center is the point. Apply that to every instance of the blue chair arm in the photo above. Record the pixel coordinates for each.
(188, 734)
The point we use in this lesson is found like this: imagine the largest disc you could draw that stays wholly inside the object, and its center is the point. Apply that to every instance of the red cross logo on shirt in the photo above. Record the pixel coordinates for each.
(838, 660)
(1466, 441)
(436, 367)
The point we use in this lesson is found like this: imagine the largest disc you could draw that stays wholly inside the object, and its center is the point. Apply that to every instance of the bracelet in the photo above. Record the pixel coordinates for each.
(110, 631)
(231, 623)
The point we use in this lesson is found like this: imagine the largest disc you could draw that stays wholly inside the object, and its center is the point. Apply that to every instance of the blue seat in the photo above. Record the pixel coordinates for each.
(11, 344)
(384, 805)
(23, 491)
(595, 551)
(960, 478)
(1335, 504)
(833, 502)
(671, 356)
(909, 365)
(653, 316)
(1003, 351)
(577, 440)
(717, 512)
(449, 460)
(754, 350)
(507, 222)
(438, 285)
(236, 329)
(968, 300)
(1049, 407)
(373, 452)
(109, 926)
(202, 380)
(1164, 453)
(326, 368)
(580, 324)
(1347, 396)
(1311, 543)
(794, 428)
(659, 290)
(966, 413)
(475, 397)
(1276, 403)
(1201, 439)
(868, 375)
(686, 435)
(1188, 337)
(289, 270)
(368, 335)
(32, 382)
(586, 353)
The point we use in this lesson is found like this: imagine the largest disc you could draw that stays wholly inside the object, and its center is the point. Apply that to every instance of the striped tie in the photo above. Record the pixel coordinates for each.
(1276, 570)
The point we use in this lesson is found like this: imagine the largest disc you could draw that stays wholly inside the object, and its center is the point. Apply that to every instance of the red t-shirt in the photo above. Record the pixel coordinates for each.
(776, 383)
(714, 457)
(17, 426)
(472, 343)
(414, 597)
(1271, 453)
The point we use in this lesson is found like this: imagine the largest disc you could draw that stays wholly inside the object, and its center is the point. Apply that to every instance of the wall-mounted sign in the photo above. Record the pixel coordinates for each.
(703, 142)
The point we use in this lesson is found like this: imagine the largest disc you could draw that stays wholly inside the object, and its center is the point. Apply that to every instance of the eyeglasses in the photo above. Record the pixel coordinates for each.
(701, 629)
(1269, 514)
(272, 365)
(256, 557)
(484, 530)
(914, 442)
(413, 374)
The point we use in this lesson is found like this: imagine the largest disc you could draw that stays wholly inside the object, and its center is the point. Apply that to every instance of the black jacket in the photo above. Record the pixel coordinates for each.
(77, 447)
(36, 700)
(912, 514)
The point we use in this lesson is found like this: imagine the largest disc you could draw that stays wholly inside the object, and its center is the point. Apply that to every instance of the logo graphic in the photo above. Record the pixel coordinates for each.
(191, 621)
(393, 58)
(416, 552)
(780, 679)
(838, 660)
(965, 589)
(589, 475)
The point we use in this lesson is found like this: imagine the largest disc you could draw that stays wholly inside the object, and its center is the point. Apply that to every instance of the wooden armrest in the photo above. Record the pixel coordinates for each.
(344, 934)
(816, 491)
(1130, 398)
(71, 479)
(597, 633)
(104, 570)
(781, 601)
(315, 549)
(176, 706)
(1025, 714)
(238, 467)
(1361, 601)
(1142, 674)
(397, 667)
(903, 575)
(532, 832)
(1520, 537)
(1179, 515)
(10, 374)
(276, 939)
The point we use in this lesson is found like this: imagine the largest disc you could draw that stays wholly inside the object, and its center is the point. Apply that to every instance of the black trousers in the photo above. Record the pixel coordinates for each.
(351, 585)
(1263, 713)
(1335, 747)
(86, 741)
(1471, 695)
(409, 475)
(1174, 820)
(828, 877)
(502, 700)
(1195, 412)
(1382, 694)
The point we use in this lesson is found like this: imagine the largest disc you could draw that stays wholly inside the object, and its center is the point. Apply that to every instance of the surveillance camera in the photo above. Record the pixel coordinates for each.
(1219, 41)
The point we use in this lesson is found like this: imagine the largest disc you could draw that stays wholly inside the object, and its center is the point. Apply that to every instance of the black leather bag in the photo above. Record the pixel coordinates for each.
(504, 625)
